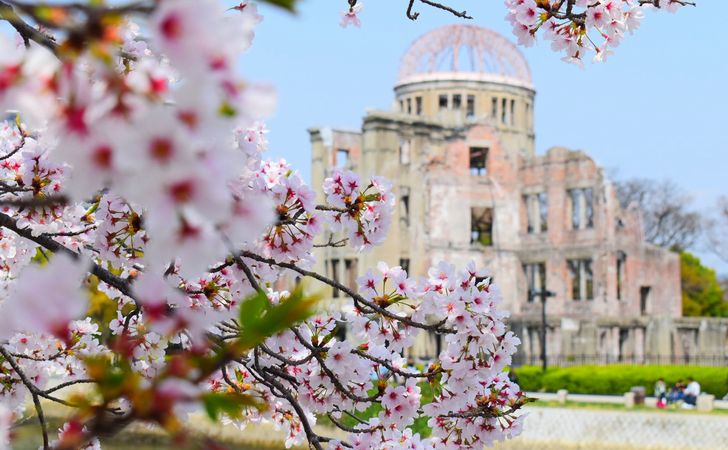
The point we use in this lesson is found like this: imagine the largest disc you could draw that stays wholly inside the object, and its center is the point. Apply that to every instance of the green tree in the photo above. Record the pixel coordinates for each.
(702, 294)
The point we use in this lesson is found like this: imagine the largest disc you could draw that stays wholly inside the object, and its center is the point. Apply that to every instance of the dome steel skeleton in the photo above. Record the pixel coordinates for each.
(464, 52)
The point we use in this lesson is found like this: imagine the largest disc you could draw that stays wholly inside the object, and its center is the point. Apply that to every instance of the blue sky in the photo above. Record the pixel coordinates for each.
(655, 109)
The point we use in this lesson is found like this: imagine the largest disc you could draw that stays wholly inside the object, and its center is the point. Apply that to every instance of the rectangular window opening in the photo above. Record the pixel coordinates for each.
(404, 263)
(527, 200)
(582, 208)
(418, 106)
(470, 111)
(481, 226)
(621, 261)
(409, 106)
(478, 160)
(644, 298)
(536, 212)
(582, 279)
(588, 208)
(588, 279)
(504, 111)
(405, 208)
(543, 211)
(494, 108)
(513, 112)
(443, 101)
(575, 277)
(342, 158)
(456, 101)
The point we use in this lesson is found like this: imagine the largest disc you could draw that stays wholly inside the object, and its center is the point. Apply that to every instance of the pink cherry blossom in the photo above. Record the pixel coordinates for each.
(45, 299)
(579, 29)
(351, 16)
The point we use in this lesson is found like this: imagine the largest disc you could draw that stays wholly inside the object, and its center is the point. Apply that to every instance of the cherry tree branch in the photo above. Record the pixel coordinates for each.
(437, 327)
(339, 386)
(332, 243)
(395, 370)
(35, 202)
(58, 387)
(656, 3)
(26, 31)
(121, 284)
(351, 429)
(579, 18)
(34, 392)
(414, 15)
(19, 146)
(274, 385)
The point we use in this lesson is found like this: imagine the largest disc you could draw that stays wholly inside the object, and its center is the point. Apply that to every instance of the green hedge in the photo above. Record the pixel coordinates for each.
(616, 380)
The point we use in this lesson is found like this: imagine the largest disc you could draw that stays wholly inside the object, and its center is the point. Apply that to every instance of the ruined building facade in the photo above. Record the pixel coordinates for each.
(458, 147)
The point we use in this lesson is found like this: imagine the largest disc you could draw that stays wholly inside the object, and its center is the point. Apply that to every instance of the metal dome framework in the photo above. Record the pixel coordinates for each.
(464, 52)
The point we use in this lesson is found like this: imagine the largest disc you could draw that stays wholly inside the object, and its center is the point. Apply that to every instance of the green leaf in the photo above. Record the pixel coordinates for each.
(113, 378)
(289, 5)
(227, 110)
(259, 319)
(230, 404)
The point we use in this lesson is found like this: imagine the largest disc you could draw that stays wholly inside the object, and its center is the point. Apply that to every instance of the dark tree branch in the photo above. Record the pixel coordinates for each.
(394, 370)
(27, 32)
(656, 3)
(274, 385)
(121, 284)
(337, 383)
(461, 14)
(414, 15)
(68, 384)
(20, 144)
(34, 202)
(332, 243)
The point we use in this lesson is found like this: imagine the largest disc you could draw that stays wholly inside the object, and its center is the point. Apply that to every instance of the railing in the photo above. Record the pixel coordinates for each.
(520, 359)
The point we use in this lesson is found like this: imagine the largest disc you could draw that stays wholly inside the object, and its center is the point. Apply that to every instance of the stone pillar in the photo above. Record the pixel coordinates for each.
(629, 400)
(705, 402)
(561, 396)
(658, 341)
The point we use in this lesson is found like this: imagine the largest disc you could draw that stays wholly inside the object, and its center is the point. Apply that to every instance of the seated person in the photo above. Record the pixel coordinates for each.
(691, 392)
(676, 393)
(660, 392)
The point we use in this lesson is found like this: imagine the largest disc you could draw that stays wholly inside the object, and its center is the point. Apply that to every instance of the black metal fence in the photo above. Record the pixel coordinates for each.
(520, 359)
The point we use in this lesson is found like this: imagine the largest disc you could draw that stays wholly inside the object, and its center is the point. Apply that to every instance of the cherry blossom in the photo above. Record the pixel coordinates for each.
(580, 28)
(45, 299)
(351, 15)
(364, 212)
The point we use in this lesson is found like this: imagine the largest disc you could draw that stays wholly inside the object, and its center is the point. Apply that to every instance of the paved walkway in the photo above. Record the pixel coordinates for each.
(569, 428)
